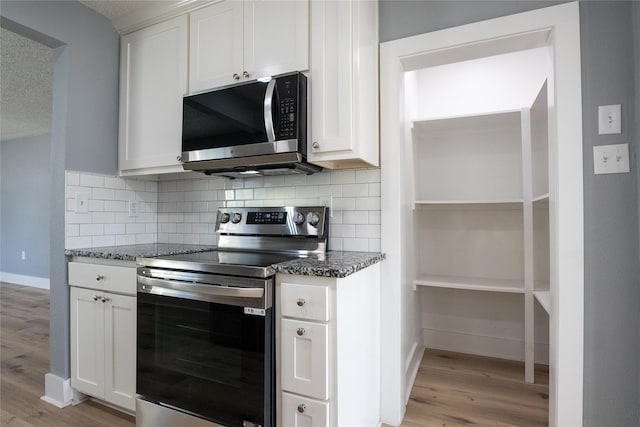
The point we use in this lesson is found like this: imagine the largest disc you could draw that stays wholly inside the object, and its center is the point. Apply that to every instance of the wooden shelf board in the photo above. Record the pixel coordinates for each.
(470, 203)
(544, 298)
(491, 118)
(541, 198)
(470, 283)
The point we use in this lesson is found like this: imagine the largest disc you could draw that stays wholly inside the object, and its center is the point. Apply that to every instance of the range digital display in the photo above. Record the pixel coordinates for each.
(267, 217)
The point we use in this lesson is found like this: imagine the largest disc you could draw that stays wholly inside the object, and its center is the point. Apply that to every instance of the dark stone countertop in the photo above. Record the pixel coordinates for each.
(131, 252)
(336, 264)
(332, 264)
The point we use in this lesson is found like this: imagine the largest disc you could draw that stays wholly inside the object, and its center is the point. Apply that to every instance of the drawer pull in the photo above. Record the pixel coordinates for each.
(300, 331)
(301, 408)
(300, 302)
(99, 277)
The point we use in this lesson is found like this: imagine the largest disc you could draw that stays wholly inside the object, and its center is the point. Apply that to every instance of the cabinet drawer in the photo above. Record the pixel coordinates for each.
(304, 358)
(305, 301)
(301, 411)
(103, 277)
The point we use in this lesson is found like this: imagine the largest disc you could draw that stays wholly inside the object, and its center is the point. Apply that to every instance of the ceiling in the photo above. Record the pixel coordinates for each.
(26, 74)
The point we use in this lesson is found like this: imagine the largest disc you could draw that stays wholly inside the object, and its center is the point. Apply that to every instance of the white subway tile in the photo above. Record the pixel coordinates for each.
(78, 218)
(136, 228)
(115, 229)
(96, 205)
(184, 185)
(296, 179)
(176, 217)
(167, 207)
(151, 186)
(114, 182)
(359, 245)
(368, 231)
(70, 205)
(193, 196)
(176, 238)
(374, 217)
(368, 175)
(253, 203)
(216, 183)
(167, 227)
(115, 206)
(374, 189)
(229, 195)
(284, 192)
(335, 243)
(146, 196)
(342, 230)
(143, 239)
(234, 184)
(209, 195)
(330, 190)
(191, 217)
(134, 184)
(71, 190)
(124, 195)
(199, 206)
(151, 227)
(191, 239)
(72, 178)
(200, 184)
(200, 228)
(244, 194)
(235, 204)
(208, 217)
(255, 182)
(124, 218)
(343, 177)
(263, 193)
(274, 181)
(72, 230)
(103, 217)
(91, 229)
(163, 238)
(367, 203)
(320, 178)
(355, 217)
(177, 196)
(183, 228)
(307, 191)
(78, 242)
(125, 239)
(98, 241)
(355, 190)
(344, 204)
(335, 217)
(147, 217)
(374, 245)
(208, 239)
(167, 186)
(103, 194)
(88, 180)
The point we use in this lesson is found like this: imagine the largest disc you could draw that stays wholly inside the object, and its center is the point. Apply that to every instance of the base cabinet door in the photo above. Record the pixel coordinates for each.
(298, 411)
(87, 342)
(120, 350)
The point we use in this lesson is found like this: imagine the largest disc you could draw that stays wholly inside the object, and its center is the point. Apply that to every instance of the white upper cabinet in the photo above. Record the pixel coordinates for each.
(233, 41)
(344, 84)
(153, 79)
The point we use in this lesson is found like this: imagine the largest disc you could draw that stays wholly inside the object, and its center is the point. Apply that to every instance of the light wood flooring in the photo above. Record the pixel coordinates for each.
(451, 389)
(24, 356)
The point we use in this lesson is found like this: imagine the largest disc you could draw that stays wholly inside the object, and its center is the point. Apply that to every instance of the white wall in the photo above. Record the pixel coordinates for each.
(496, 83)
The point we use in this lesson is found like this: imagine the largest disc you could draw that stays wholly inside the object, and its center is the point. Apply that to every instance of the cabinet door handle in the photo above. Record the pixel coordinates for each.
(179, 158)
(99, 277)
(300, 331)
(103, 299)
(236, 77)
(96, 297)
(246, 75)
(301, 408)
(301, 302)
(315, 145)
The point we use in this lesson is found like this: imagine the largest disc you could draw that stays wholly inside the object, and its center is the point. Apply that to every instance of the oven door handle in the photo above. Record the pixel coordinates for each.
(178, 288)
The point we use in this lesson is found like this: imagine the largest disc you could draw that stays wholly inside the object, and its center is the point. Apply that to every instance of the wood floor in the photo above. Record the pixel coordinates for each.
(24, 356)
(451, 389)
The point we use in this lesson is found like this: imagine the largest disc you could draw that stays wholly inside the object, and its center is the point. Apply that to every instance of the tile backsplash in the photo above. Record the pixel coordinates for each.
(184, 210)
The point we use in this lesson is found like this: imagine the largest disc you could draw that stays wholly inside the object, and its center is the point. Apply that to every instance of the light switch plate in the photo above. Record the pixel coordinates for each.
(611, 159)
(609, 119)
(82, 202)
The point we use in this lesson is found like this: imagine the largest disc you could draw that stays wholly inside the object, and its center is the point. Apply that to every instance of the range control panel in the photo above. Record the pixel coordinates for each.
(279, 221)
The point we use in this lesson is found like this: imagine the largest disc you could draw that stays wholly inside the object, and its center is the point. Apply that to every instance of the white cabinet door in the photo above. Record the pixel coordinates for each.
(87, 341)
(120, 350)
(153, 79)
(298, 411)
(344, 84)
(305, 358)
(276, 37)
(216, 45)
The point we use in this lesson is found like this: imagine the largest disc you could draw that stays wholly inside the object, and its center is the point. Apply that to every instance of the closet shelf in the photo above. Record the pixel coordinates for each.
(470, 283)
(541, 198)
(544, 298)
(501, 203)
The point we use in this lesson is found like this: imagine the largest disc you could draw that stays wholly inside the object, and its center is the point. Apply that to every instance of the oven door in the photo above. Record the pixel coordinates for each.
(201, 354)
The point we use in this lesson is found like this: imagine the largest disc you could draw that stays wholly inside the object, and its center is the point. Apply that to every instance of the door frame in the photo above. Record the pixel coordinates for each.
(566, 210)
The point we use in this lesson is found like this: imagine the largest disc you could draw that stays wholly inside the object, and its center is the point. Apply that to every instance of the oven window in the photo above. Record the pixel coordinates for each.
(205, 358)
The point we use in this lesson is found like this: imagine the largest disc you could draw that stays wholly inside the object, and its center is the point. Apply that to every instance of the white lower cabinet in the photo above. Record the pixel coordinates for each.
(328, 336)
(103, 338)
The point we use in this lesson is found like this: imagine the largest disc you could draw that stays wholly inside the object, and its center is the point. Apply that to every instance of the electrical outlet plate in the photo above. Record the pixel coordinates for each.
(327, 201)
(608, 159)
(82, 202)
(133, 208)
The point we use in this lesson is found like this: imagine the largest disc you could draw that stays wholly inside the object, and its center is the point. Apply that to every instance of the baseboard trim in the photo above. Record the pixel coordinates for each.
(20, 279)
(57, 391)
(411, 372)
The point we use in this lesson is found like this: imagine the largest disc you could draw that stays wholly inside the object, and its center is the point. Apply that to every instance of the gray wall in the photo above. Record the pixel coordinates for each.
(612, 288)
(24, 220)
(84, 123)
(612, 295)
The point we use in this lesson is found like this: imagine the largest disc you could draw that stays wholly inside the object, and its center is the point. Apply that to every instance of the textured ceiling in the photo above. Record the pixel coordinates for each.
(26, 74)
(114, 9)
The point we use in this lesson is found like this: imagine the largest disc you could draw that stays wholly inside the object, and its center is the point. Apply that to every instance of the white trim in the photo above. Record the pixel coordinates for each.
(57, 391)
(565, 203)
(19, 279)
(413, 365)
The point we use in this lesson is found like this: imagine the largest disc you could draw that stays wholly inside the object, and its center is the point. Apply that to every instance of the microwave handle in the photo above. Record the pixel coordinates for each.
(268, 110)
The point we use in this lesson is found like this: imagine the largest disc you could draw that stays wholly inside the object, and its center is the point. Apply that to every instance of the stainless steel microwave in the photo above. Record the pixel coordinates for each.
(252, 128)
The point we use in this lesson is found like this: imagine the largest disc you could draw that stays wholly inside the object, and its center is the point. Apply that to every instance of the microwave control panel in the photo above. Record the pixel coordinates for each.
(289, 90)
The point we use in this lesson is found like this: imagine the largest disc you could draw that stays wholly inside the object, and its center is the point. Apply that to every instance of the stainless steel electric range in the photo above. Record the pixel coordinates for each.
(205, 321)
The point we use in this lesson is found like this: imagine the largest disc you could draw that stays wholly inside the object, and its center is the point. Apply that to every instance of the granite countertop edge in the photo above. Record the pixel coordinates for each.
(336, 264)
